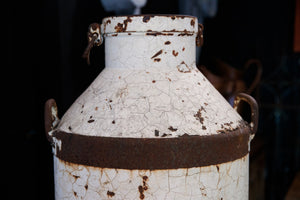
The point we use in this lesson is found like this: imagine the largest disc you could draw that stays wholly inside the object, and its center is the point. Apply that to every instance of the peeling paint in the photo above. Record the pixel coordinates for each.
(227, 181)
(152, 91)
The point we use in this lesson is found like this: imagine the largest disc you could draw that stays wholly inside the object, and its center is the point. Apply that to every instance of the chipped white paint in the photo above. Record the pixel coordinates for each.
(150, 85)
(225, 181)
(154, 23)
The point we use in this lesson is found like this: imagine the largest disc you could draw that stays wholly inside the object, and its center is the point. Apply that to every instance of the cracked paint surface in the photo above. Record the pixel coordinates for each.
(223, 181)
(150, 88)
(149, 83)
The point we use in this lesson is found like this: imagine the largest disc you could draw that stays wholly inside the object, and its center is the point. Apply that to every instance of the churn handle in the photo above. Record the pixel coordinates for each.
(254, 109)
(51, 118)
(94, 36)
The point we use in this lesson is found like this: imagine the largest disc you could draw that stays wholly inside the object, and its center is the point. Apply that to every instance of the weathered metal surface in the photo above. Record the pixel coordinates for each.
(224, 181)
(94, 38)
(254, 109)
(161, 23)
(151, 153)
(95, 35)
(150, 126)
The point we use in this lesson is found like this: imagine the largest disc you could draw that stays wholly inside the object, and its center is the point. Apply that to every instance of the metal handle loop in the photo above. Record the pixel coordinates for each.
(254, 110)
(94, 38)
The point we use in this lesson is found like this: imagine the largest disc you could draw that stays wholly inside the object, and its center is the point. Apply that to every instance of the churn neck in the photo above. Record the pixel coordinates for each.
(143, 41)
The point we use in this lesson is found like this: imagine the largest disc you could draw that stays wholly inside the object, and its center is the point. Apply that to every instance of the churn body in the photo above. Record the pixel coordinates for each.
(150, 126)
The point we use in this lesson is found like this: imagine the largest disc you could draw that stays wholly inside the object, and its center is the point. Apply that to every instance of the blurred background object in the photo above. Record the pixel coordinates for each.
(229, 81)
(124, 7)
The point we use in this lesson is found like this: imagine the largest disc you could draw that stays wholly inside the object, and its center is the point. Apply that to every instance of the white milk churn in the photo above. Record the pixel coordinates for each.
(150, 126)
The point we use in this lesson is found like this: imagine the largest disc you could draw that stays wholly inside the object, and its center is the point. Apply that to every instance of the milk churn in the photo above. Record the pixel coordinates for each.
(150, 126)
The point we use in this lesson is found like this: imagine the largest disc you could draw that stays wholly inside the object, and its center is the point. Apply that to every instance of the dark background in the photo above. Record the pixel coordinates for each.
(45, 44)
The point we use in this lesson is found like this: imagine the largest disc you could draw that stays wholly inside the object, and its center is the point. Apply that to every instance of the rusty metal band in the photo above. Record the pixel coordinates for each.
(153, 153)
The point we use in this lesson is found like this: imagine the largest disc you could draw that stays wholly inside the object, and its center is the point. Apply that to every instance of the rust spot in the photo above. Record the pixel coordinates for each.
(143, 187)
(167, 42)
(172, 129)
(96, 108)
(157, 54)
(110, 101)
(153, 81)
(165, 135)
(114, 35)
(159, 33)
(174, 53)
(119, 27)
(91, 121)
(199, 83)
(70, 128)
(183, 49)
(157, 59)
(146, 18)
(145, 178)
(203, 127)
(86, 186)
(173, 17)
(169, 79)
(199, 117)
(205, 104)
(129, 33)
(185, 33)
(192, 22)
(141, 190)
(108, 22)
(76, 177)
(113, 122)
(184, 68)
(110, 194)
(75, 194)
(122, 27)
(218, 168)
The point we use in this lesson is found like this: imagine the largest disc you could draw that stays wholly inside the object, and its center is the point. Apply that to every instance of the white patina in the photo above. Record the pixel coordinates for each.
(150, 88)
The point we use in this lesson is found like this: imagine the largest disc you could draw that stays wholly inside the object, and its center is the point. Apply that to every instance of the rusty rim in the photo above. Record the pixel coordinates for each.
(145, 153)
(151, 153)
